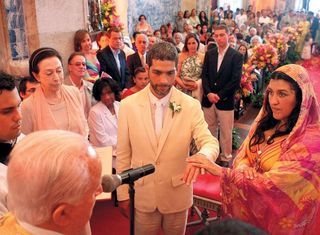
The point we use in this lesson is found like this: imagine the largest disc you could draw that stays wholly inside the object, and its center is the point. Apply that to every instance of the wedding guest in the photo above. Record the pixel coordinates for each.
(53, 179)
(102, 40)
(76, 78)
(157, 34)
(243, 50)
(140, 81)
(186, 16)
(190, 67)
(203, 18)
(138, 59)
(278, 159)
(221, 76)
(163, 31)
(113, 60)
(143, 26)
(178, 40)
(306, 50)
(53, 105)
(194, 19)
(82, 43)
(27, 86)
(103, 117)
(10, 116)
(179, 22)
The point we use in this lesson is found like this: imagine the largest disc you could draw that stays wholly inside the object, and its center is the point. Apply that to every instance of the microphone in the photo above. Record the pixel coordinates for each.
(111, 182)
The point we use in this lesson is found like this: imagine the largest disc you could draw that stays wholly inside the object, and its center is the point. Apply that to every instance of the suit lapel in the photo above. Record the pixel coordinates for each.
(224, 61)
(113, 60)
(146, 116)
(168, 120)
(109, 115)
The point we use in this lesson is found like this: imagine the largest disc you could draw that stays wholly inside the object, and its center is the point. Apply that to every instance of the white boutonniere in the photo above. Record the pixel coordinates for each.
(176, 108)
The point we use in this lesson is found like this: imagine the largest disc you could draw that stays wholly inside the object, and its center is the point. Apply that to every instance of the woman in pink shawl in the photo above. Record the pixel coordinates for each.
(274, 182)
(53, 105)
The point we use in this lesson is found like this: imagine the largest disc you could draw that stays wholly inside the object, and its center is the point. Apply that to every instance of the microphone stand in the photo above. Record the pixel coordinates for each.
(131, 196)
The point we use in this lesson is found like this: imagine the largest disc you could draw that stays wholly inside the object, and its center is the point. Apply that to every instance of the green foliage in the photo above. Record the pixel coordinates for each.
(235, 139)
(257, 100)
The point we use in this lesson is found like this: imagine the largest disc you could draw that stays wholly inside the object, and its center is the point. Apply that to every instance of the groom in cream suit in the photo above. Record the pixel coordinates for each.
(157, 125)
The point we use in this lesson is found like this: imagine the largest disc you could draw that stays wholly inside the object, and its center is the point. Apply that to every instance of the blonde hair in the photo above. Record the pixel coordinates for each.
(45, 169)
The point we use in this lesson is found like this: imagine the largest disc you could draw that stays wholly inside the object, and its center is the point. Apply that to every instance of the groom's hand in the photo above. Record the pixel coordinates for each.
(190, 174)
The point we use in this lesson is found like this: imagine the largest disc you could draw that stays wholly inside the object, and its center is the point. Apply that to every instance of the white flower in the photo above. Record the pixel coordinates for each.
(176, 108)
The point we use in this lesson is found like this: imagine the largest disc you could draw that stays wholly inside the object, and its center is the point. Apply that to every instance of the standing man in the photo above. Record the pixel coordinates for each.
(10, 116)
(157, 125)
(138, 59)
(221, 76)
(77, 71)
(113, 60)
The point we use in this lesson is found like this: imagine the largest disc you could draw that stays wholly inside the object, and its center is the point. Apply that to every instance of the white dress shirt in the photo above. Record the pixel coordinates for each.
(36, 230)
(221, 55)
(159, 107)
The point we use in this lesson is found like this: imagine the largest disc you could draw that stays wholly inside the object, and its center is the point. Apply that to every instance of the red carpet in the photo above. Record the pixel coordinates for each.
(106, 218)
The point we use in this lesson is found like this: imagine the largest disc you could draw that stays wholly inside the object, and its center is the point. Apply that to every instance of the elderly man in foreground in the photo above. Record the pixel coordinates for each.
(52, 184)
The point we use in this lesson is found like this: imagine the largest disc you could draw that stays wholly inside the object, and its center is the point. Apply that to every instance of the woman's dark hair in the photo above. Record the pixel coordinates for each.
(141, 17)
(188, 37)
(139, 70)
(268, 122)
(39, 55)
(245, 56)
(99, 36)
(100, 84)
(78, 37)
(185, 14)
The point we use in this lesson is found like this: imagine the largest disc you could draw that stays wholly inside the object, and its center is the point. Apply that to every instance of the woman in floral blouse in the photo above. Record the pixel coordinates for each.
(190, 67)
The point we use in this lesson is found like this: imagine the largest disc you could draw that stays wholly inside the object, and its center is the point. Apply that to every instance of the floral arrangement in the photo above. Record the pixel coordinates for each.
(264, 56)
(279, 41)
(110, 18)
(176, 108)
(247, 78)
(291, 33)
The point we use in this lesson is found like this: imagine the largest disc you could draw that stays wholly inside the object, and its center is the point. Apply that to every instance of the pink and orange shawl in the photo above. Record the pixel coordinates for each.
(286, 198)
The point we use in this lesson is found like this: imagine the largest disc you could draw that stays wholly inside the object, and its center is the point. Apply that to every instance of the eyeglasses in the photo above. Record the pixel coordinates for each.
(78, 64)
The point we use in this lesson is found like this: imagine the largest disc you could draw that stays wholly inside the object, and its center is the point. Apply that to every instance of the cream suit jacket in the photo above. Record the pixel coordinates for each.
(138, 146)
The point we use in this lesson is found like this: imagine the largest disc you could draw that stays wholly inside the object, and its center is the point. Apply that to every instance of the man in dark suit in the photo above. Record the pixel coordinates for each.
(113, 60)
(138, 59)
(314, 25)
(221, 76)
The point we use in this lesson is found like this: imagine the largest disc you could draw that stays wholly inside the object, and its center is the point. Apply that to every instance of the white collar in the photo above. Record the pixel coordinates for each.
(154, 100)
(224, 51)
(115, 52)
(34, 230)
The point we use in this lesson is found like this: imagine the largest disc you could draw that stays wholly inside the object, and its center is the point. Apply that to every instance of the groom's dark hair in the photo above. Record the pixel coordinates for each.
(162, 51)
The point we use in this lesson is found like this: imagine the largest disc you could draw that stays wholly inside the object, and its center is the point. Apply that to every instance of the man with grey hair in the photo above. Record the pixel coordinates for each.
(178, 40)
(156, 126)
(52, 184)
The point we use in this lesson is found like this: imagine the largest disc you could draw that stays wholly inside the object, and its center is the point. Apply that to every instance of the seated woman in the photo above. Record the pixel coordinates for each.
(82, 43)
(143, 26)
(140, 80)
(190, 67)
(52, 105)
(274, 183)
(103, 117)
